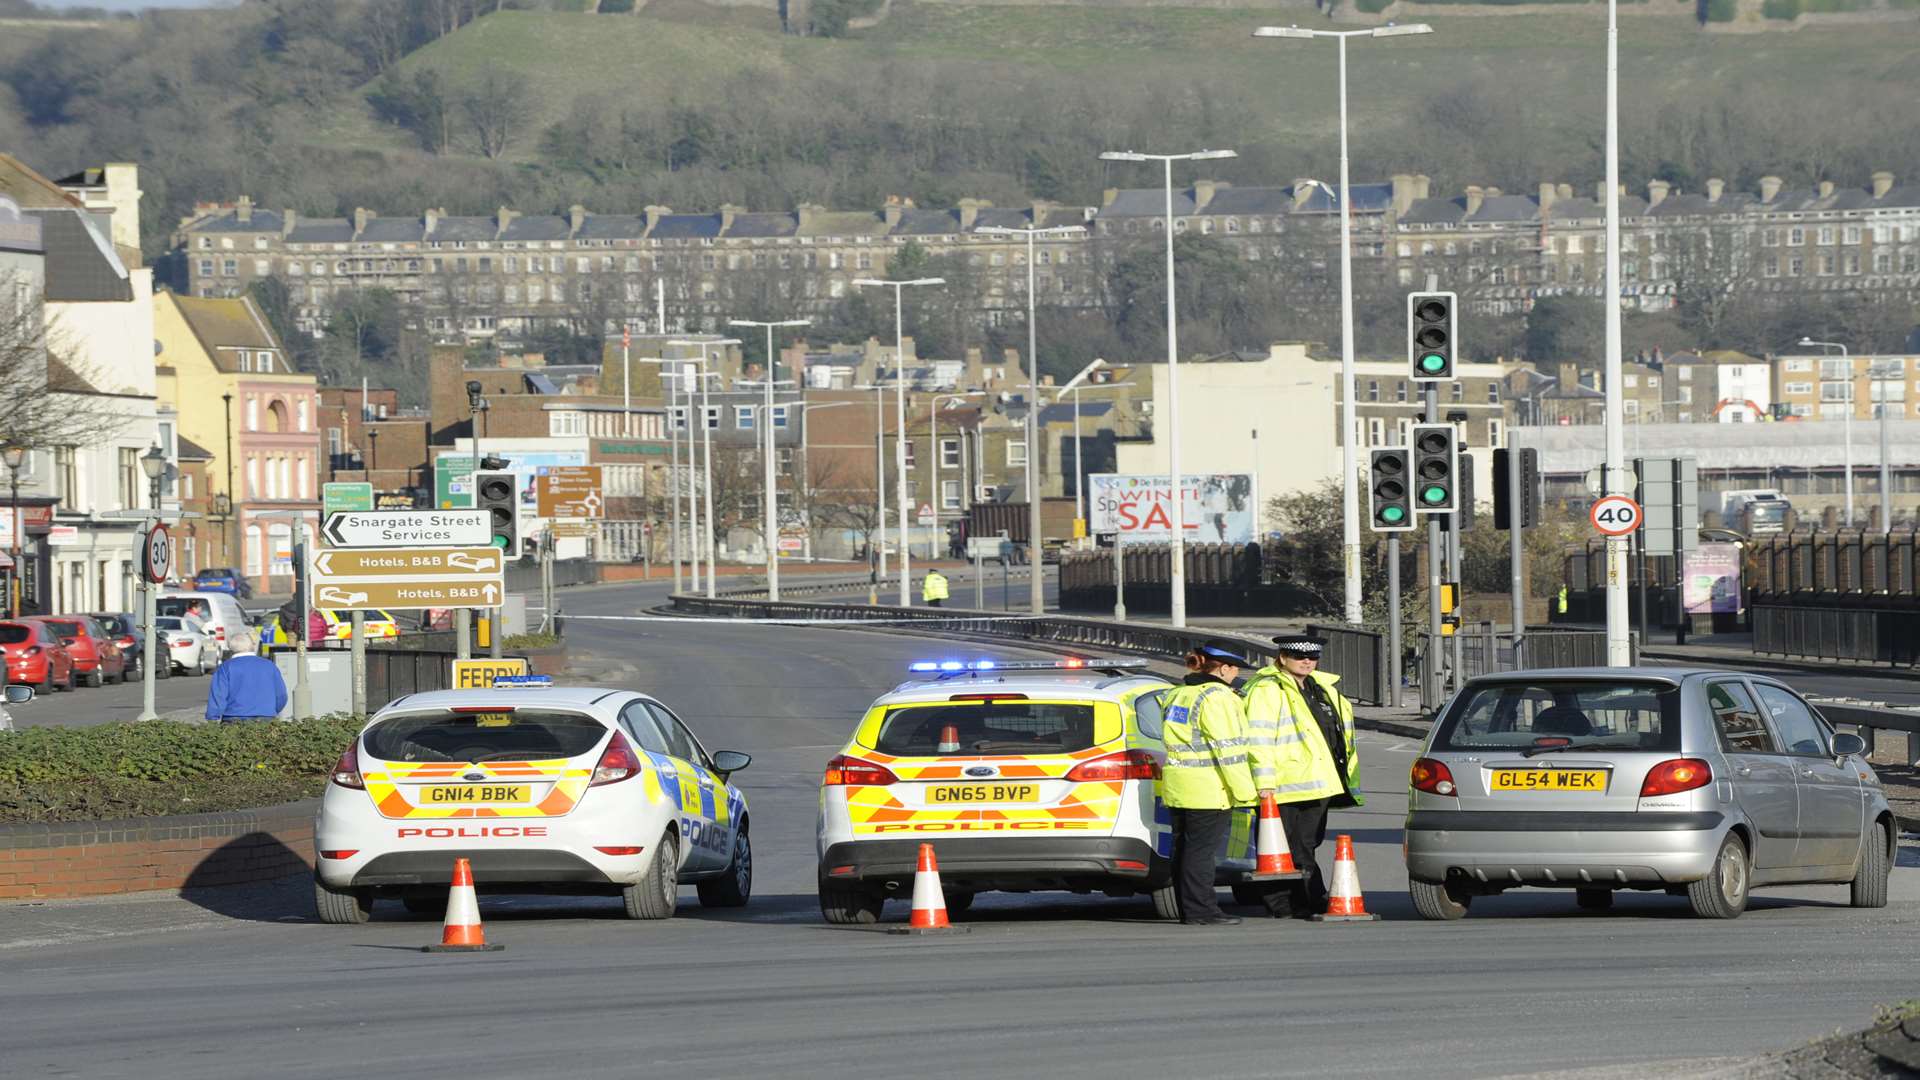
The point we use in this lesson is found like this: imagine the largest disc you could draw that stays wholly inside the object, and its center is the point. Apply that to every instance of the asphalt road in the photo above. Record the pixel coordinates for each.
(237, 983)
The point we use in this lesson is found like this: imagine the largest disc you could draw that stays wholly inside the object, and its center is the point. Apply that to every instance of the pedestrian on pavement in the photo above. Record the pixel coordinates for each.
(1300, 736)
(247, 687)
(933, 590)
(1205, 777)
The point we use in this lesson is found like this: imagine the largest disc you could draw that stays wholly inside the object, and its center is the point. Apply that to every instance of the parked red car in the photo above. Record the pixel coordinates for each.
(35, 655)
(95, 657)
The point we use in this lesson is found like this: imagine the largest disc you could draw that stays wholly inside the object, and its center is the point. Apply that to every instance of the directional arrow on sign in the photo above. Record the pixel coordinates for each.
(408, 528)
(409, 564)
(405, 595)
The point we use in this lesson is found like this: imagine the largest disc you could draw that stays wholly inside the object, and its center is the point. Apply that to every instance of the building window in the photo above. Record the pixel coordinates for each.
(712, 414)
(1801, 388)
(743, 417)
(1376, 431)
(1373, 389)
(1495, 433)
(253, 414)
(1016, 453)
(566, 423)
(950, 456)
(1826, 234)
(779, 418)
(912, 457)
(130, 477)
(949, 494)
(1400, 390)
(677, 417)
(1836, 370)
(1493, 393)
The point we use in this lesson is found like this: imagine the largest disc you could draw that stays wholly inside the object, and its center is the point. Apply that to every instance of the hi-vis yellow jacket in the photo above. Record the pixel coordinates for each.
(1205, 736)
(1289, 751)
(934, 587)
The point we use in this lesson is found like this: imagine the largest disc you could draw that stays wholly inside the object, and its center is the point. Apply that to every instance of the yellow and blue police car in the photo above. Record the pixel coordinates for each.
(1025, 776)
(542, 789)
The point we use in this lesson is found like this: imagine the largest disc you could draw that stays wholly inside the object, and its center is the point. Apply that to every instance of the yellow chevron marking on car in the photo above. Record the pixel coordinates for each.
(874, 809)
(568, 786)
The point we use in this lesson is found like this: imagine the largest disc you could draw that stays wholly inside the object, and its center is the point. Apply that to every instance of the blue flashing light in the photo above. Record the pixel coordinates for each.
(522, 682)
(1070, 663)
(923, 665)
(952, 665)
(983, 665)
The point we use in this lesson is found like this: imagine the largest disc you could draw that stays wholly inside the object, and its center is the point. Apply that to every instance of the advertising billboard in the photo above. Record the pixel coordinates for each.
(1217, 508)
(453, 472)
(1712, 584)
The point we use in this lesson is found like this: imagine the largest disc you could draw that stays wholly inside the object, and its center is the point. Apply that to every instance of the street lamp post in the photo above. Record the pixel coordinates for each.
(1177, 590)
(933, 443)
(769, 516)
(1847, 436)
(900, 411)
(1079, 476)
(1036, 593)
(15, 456)
(154, 464)
(706, 453)
(1349, 463)
(234, 554)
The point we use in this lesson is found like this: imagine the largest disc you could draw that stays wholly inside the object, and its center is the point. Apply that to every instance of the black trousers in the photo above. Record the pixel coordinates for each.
(1305, 824)
(935, 603)
(1197, 835)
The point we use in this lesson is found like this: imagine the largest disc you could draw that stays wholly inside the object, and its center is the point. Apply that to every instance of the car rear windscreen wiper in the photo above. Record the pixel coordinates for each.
(1536, 751)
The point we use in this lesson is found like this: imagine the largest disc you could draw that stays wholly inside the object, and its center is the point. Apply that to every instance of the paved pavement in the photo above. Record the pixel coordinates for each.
(236, 982)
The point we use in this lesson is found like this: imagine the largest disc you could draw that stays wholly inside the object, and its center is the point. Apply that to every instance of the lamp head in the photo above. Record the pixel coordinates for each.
(14, 454)
(154, 462)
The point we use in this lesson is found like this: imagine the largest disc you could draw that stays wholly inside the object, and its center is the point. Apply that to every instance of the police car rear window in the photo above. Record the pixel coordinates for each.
(988, 727)
(507, 734)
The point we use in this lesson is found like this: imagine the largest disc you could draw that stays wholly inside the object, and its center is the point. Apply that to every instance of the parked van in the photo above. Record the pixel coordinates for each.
(219, 611)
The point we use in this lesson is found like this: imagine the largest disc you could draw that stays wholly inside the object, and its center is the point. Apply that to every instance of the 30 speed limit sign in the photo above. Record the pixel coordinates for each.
(1615, 515)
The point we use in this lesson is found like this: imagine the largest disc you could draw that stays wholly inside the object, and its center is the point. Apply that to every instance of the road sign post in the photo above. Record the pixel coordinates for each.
(1615, 515)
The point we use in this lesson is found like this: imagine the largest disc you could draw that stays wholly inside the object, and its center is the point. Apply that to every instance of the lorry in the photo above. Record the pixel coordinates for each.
(1009, 519)
(1754, 511)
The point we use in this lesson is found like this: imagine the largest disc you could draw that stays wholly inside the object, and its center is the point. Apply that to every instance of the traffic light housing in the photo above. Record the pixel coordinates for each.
(1433, 340)
(499, 496)
(1436, 469)
(1389, 499)
(1503, 508)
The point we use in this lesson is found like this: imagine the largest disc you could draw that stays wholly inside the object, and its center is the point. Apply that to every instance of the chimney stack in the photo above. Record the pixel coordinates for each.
(1403, 196)
(288, 219)
(728, 212)
(243, 210)
(1202, 194)
(1475, 195)
(1715, 188)
(970, 213)
(1422, 186)
(1882, 183)
(1564, 191)
(502, 218)
(1107, 196)
(1769, 188)
(654, 214)
(891, 212)
(432, 218)
(1569, 376)
(1548, 193)
(804, 215)
(1303, 190)
(576, 217)
(360, 217)
(1039, 209)
(1826, 189)
(1657, 192)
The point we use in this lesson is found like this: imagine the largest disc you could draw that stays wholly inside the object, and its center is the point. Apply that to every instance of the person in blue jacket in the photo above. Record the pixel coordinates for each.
(247, 687)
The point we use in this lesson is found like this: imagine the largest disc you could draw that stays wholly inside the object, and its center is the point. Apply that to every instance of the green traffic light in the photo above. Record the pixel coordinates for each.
(1433, 363)
(500, 542)
(1393, 515)
(1434, 493)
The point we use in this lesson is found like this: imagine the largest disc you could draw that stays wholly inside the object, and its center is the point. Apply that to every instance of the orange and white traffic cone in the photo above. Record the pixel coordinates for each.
(949, 744)
(929, 901)
(462, 931)
(1345, 903)
(1272, 858)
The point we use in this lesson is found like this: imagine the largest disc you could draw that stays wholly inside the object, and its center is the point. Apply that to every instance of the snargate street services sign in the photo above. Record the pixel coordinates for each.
(1218, 508)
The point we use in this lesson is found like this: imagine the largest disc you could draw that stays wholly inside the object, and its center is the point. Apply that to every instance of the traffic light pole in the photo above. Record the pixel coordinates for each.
(1430, 679)
(1459, 602)
(1393, 619)
(1516, 553)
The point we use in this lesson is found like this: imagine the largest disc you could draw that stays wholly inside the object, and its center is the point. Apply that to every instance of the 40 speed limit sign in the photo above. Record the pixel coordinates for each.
(1615, 515)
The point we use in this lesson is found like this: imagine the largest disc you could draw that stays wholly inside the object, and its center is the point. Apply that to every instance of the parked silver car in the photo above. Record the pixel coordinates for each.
(1701, 783)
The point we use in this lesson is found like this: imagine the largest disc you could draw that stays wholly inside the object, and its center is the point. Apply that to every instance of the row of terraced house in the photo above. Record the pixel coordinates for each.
(501, 274)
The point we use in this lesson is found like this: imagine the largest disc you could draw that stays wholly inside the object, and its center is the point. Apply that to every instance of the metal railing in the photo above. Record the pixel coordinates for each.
(395, 673)
(1359, 657)
(1875, 717)
(1821, 633)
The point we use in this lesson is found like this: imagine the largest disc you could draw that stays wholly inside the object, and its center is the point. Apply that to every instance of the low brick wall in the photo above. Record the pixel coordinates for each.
(95, 858)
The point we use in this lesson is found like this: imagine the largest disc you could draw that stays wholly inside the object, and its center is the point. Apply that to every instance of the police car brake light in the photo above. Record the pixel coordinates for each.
(988, 697)
(1124, 765)
(617, 762)
(845, 770)
(523, 682)
(346, 772)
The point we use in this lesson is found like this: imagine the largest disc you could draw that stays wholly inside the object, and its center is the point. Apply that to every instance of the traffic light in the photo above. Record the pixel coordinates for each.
(499, 496)
(1436, 469)
(1529, 488)
(1388, 498)
(1432, 338)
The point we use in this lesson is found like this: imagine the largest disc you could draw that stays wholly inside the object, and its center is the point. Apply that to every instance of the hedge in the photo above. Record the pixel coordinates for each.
(165, 767)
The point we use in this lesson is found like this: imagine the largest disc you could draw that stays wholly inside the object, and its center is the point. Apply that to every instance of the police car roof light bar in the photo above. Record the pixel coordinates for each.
(523, 682)
(1070, 663)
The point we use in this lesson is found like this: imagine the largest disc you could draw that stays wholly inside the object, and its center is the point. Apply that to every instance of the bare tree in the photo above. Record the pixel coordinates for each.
(50, 400)
(1711, 268)
(499, 105)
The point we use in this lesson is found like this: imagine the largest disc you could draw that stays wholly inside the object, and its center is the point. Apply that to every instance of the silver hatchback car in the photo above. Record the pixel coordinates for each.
(1701, 783)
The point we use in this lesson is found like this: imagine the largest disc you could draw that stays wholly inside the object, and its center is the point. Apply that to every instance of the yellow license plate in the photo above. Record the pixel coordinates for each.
(943, 794)
(442, 794)
(1594, 780)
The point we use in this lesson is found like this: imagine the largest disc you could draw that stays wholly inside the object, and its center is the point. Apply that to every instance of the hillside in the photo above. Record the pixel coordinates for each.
(942, 100)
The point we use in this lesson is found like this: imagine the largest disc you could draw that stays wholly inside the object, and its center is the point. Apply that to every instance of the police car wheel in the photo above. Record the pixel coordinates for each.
(850, 907)
(736, 887)
(341, 906)
(1166, 901)
(656, 895)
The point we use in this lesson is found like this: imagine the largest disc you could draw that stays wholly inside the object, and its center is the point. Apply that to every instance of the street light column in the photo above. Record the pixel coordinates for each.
(1177, 583)
(1349, 465)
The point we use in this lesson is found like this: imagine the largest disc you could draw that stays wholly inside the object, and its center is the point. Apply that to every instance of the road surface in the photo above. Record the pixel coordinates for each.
(240, 983)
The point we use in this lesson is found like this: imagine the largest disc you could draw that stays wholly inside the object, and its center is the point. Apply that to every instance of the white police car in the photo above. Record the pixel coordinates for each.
(542, 789)
(1024, 775)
